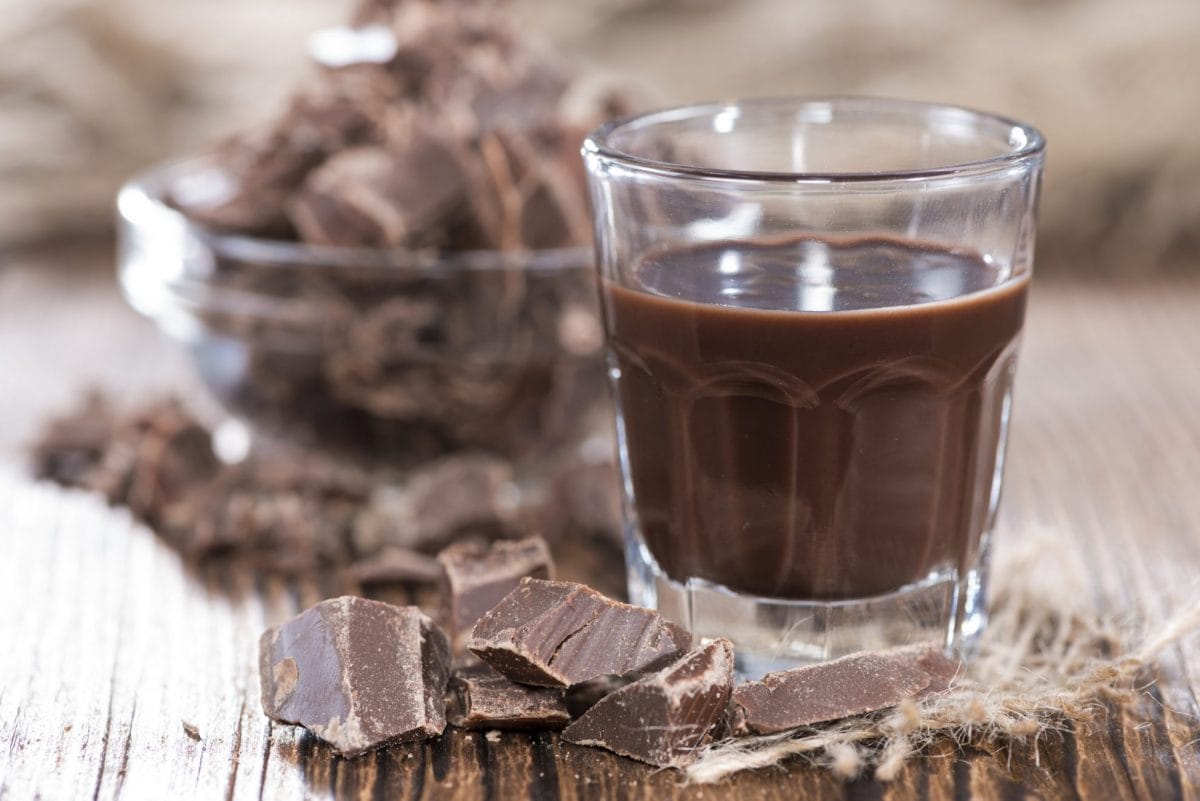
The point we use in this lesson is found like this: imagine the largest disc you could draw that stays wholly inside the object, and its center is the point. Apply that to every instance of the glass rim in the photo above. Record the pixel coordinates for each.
(141, 201)
(1029, 146)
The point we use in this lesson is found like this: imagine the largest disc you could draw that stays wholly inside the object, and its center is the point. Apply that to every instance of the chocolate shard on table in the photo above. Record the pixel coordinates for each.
(943, 670)
(665, 718)
(853, 685)
(456, 497)
(481, 698)
(71, 446)
(558, 634)
(582, 697)
(585, 499)
(476, 576)
(392, 565)
(358, 674)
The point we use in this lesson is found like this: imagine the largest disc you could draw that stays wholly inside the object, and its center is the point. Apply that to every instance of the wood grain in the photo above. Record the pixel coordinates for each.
(109, 645)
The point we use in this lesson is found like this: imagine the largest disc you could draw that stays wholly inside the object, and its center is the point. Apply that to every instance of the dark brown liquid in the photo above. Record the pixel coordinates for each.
(814, 419)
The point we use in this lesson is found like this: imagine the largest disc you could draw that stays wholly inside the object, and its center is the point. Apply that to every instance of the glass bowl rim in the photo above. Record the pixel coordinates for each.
(1030, 148)
(141, 200)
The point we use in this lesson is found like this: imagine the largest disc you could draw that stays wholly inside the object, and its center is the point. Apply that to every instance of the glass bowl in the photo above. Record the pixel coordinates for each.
(384, 356)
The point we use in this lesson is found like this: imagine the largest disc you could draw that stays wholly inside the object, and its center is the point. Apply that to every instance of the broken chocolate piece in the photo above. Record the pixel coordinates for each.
(855, 684)
(475, 577)
(483, 699)
(665, 718)
(457, 496)
(379, 197)
(942, 670)
(556, 634)
(72, 445)
(582, 697)
(394, 565)
(585, 499)
(358, 674)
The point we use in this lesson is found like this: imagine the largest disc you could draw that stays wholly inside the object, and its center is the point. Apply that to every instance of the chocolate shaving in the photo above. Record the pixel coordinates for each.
(557, 634)
(665, 718)
(358, 674)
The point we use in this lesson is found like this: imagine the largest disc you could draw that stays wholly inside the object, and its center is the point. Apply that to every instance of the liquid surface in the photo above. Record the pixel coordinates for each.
(783, 450)
(816, 275)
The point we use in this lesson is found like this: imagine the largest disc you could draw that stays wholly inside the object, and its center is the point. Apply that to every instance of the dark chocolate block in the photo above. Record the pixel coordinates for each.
(665, 718)
(394, 565)
(557, 634)
(852, 685)
(481, 698)
(358, 674)
(71, 446)
(582, 697)
(475, 577)
(378, 196)
(457, 496)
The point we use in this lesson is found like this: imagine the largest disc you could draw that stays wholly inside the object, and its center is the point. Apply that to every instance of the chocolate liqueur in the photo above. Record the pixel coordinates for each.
(811, 418)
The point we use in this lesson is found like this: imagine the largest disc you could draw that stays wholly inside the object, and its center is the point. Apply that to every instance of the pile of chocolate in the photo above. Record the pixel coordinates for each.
(430, 129)
(525, 652)
(427, 125)
(291, 511)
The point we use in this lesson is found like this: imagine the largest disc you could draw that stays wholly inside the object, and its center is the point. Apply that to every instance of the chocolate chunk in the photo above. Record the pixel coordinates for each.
(524, 199)
(556, 634)
(288, 512)
(378, 196)
(358, 674)
(475, 577)
(665, 718)
(394, 565)
(585, 498)
(942, 670)
(458, 496)
(483, 699)
(71, 446)
(852, 685)
(582, 697)
(244, 185)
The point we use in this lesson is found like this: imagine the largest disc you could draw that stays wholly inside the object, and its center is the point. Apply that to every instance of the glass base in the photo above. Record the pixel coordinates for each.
(774, 634)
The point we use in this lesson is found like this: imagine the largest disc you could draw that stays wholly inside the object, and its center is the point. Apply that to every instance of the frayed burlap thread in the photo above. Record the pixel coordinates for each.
(1046, 661)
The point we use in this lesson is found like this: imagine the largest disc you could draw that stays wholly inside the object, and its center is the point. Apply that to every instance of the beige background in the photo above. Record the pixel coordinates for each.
(91, 90)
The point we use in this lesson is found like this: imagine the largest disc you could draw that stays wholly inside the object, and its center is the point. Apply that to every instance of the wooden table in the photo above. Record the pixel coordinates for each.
(108, 645)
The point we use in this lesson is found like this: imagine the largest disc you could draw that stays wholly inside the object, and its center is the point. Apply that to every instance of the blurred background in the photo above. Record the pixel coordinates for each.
(92, 90)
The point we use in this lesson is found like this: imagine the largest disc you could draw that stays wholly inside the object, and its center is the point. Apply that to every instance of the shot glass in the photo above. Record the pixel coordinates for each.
(812, 312)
